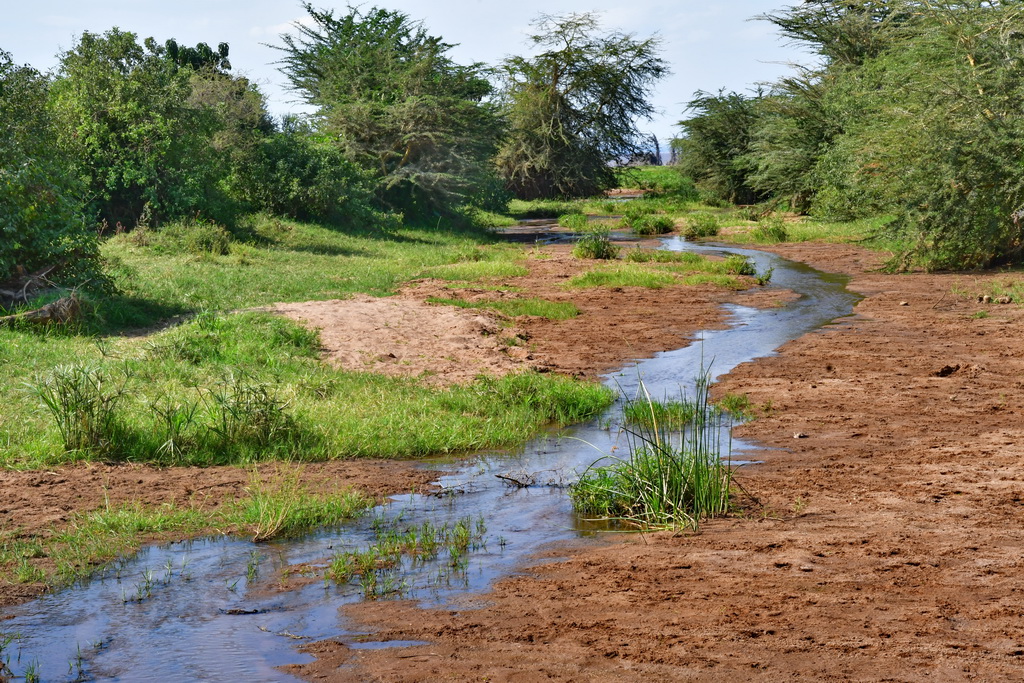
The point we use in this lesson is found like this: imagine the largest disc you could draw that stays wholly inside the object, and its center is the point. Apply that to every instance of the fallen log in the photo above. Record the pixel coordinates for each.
(62, 311)
(23, 286)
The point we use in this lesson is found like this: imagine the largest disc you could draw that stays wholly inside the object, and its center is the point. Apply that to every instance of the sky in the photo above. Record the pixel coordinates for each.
(709, 45)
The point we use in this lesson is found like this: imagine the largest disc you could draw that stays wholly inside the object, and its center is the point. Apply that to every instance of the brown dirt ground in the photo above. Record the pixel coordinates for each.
(394, 335)
(887, 546)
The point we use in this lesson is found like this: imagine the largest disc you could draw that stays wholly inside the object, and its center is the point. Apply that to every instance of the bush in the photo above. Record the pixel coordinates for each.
(573, 221)
(297, 176)
(42, 217)
(770, 229)
(701, 224)
(653, 225)
(198, 237)
(596, 244)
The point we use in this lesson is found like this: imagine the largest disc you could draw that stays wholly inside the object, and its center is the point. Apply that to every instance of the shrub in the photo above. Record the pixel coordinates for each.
(596, 244)
(653, 225)
(573, 221)
(770, 229)
(701, 224)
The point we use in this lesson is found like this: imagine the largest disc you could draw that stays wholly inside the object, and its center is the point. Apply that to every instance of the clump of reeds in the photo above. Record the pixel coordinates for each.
(596, 244)
(675, 475)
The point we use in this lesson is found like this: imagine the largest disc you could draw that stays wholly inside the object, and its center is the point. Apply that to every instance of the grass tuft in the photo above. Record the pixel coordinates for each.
(701, 224)
(622, 275)
(770, 230)
(573, 221)
(596, 244)
(674, 476)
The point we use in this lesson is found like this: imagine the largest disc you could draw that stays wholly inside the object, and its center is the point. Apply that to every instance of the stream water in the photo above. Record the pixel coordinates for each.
(210, 609)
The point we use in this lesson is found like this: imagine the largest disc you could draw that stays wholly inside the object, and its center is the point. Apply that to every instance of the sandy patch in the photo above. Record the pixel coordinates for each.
(400, 336)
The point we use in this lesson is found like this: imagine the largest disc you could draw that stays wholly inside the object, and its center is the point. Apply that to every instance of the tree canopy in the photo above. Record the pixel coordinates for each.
(573, 108)
(914, 112)
(42, 217)
(396, 104)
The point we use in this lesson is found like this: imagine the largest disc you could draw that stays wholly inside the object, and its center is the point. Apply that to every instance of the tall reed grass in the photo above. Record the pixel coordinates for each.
(675, 475)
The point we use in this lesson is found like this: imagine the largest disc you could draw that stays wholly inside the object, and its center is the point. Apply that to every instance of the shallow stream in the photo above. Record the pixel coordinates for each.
(212, 609)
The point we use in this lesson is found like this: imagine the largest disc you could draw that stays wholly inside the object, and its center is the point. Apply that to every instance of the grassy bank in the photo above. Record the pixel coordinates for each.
(237, 388)
(91, 540)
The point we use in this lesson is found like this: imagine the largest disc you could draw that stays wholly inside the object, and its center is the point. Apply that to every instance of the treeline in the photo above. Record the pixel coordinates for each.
(126, 133)
(914, 111)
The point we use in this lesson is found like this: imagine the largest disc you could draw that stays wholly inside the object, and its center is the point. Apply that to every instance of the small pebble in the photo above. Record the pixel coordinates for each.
(904, 303)
(799, 435)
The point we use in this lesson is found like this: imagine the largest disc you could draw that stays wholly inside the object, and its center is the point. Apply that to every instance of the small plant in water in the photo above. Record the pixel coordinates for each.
(596, 244)
(573, 221)
(701, 224)
(673, 477)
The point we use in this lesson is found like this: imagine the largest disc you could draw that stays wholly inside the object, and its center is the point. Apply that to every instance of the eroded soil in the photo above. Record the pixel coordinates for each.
(886, 544)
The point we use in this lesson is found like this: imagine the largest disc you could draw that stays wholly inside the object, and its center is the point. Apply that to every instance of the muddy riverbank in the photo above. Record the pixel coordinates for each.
(612, 326)
(886, 545)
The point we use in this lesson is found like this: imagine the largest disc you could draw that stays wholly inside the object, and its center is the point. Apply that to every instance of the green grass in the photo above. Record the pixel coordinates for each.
(674, 475)
(91, 540)
(474, 271)
(244, 388)
(622, 275)
(656, 269)
(542, 308)
(573, 221)
(249, 387)
(865, 232)
(639, 255)
(288, 509)
(543, 208)
(275, 260)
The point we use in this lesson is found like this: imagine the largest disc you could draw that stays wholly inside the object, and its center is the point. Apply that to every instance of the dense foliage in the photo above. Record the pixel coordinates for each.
(396, 105)
(914, 112)
(42, 221)
(573, 108)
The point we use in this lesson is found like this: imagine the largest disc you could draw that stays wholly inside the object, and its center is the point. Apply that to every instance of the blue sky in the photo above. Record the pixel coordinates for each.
(709, 45)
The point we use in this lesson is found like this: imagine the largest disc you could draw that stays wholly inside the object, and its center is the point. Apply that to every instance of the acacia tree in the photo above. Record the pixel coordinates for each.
(915, 113)
(573, 109)
(396, 104)
(716, 143)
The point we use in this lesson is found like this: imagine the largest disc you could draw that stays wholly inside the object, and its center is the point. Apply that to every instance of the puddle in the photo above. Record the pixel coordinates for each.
(214, 609)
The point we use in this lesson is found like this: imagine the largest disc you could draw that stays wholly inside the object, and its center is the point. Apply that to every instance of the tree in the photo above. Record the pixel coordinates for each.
(914, 113)
(573, 109)
(715, 146)
(42, 222)
(127, 123)
(396, 105)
